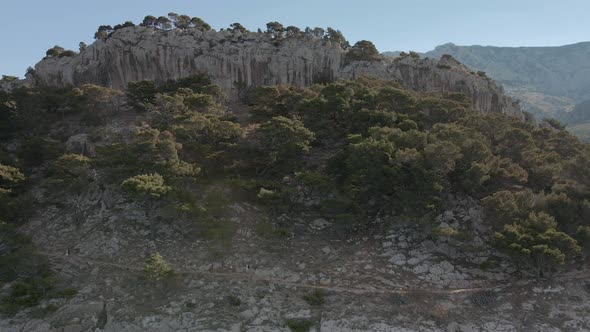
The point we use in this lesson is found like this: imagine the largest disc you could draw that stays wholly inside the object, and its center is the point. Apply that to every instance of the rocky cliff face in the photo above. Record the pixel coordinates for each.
(140, 53)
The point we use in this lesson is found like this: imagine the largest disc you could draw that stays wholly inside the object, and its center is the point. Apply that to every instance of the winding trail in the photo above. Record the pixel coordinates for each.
(353, 290)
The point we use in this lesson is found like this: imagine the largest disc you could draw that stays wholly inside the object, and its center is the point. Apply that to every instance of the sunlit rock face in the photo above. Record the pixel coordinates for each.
(254, 59)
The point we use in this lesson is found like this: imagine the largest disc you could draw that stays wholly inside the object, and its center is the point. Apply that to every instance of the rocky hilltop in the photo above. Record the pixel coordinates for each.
(254, 59)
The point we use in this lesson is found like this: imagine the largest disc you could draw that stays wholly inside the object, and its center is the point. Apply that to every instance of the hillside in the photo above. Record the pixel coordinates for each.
(185, 179)
(548, 80)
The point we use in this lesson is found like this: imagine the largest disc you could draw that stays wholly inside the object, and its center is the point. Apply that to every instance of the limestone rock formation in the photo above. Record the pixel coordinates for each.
(254, 59)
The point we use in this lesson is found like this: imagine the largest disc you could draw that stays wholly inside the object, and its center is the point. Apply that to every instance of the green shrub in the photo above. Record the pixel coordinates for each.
(24, 294)
(37, 150)
(266, 230)
(54, 51)
(44, 311)
(70, 171)
(363, 50)
(482, 74)
(219, 230)
(284, 140)
(449, 232)
(505, 207)
(277, 199)
(19, 259)
(9, 177)
(9, 78)
(156, 268)
(299, 325)
(583, 237)
(490, 263)
(151, 185)
(67, 293)
(315, 298)
(234, 300)
(536, 241)
(440, 66)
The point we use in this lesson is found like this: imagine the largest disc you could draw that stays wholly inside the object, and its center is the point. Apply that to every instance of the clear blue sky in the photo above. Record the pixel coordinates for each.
(29, 27)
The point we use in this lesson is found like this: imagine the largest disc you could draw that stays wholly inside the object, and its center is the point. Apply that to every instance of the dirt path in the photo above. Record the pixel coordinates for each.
(353, 290)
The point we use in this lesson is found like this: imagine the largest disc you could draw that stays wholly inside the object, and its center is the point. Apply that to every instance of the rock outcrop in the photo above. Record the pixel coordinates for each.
(254, 59)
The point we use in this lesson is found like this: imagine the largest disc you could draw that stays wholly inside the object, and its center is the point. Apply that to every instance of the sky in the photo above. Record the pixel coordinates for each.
(29, 27)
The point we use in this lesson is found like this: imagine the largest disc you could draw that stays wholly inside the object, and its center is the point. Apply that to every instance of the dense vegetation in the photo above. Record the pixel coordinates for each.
(348, 151)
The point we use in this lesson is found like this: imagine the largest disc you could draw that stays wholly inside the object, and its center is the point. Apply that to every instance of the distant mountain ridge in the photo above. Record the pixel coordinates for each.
(547, 80)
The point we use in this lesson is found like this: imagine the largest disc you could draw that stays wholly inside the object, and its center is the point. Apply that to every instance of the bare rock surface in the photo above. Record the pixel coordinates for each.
(397, 279)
